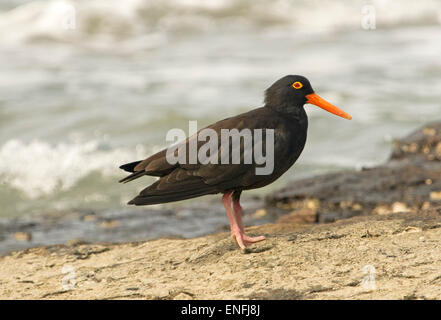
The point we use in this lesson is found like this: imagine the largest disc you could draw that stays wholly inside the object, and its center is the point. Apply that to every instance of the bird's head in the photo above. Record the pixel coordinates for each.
(294, 91)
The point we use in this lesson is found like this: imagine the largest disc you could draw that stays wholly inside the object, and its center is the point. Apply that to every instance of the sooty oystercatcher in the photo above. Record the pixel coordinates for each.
(283, 113)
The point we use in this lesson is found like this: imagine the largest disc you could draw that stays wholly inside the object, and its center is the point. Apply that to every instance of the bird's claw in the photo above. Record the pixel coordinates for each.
(242, 240)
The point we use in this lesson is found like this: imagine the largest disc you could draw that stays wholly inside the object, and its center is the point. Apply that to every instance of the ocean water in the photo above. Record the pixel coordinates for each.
(88, 85)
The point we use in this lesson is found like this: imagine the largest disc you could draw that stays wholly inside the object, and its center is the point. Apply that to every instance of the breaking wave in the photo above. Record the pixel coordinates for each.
(146, 24)
(39, 168)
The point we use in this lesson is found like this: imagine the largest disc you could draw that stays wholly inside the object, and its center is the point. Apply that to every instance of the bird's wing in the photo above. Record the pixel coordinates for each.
(183, 181)
(227, 175)
(158, 164)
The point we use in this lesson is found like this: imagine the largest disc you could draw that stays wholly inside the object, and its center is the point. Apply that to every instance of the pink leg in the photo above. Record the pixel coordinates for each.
(238, 214)
(235, 218)
(235, 228)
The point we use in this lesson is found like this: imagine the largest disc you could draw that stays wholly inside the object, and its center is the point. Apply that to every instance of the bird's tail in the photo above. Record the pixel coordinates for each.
(133, 176)
(130, 167)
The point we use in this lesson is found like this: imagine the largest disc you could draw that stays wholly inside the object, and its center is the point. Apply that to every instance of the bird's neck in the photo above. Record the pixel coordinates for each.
(289, 110)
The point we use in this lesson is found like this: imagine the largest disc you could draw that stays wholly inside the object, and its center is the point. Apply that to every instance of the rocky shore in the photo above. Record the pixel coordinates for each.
(408, 182)
(396, 256)
(373, 233)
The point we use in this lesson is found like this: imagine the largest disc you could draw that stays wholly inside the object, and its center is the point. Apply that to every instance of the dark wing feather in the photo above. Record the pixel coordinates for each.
(184, 181)
(178, 185)
(130, 167)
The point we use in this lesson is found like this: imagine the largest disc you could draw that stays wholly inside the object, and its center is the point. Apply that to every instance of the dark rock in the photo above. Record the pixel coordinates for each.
(409, 181)
(423, 144)
(327, 217)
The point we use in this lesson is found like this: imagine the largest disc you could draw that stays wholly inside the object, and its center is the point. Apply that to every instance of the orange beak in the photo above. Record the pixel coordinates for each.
(322, 103)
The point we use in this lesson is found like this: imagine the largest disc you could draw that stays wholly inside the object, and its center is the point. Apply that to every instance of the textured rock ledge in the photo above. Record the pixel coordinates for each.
(396, 256)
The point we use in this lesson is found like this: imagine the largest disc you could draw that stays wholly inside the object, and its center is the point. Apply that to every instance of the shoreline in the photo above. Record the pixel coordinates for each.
(409, 181)
(329, 261)
(326, 233)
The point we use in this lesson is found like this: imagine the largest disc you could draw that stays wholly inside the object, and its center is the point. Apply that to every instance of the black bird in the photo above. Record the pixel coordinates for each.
(283, 112)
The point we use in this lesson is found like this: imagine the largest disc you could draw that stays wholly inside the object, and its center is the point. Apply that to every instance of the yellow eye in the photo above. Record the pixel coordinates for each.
(297, 85)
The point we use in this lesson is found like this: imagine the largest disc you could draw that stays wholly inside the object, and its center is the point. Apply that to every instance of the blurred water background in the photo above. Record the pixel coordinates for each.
(80, 97)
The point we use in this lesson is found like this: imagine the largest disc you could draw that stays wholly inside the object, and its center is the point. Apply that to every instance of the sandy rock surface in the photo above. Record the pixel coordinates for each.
(395, 256)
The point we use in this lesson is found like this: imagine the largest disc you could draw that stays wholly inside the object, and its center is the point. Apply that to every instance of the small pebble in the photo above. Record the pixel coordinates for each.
(22, 236)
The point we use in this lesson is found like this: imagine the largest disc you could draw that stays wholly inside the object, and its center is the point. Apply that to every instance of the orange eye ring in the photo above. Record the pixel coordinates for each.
(297, 85)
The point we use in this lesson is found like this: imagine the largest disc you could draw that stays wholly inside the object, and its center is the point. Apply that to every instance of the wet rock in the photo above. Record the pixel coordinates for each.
(327, 217)
(409, 181)
(109, 224)
(123, 224)
(423, 144)
(301, 216)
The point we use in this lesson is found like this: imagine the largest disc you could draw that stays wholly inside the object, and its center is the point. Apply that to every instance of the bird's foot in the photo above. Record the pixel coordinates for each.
(242, 240)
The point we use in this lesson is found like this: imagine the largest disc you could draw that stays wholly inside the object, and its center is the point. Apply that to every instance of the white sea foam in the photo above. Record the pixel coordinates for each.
(39, 168)
(102, 23)
(49, 91)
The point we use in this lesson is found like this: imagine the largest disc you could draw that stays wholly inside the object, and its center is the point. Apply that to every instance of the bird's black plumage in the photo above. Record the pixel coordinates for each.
(284, 121)
(283, 112)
